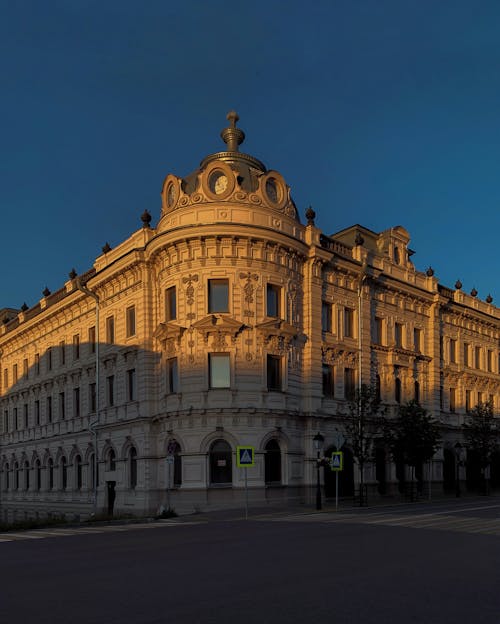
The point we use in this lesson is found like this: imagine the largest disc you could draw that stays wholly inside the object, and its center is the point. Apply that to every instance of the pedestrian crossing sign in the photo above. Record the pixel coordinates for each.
(337, 461)
(245, 456)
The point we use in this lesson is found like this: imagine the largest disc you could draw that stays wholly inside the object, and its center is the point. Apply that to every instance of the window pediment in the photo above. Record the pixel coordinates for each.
(169, 331)
(219, 324)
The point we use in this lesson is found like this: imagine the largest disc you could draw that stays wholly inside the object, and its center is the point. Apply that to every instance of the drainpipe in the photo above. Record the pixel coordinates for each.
(95, 423)
(362, 278)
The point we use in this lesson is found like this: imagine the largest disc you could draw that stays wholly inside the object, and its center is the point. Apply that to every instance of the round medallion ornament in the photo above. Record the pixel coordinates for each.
(274, 190)
(218, 182)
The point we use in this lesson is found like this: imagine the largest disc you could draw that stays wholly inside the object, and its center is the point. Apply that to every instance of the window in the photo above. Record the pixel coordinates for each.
(14, 374)
(466, 354)
(272, 462)
(130, 321)
(378, 329)
(17, 470)
(417, 339)
(26, 475)
(328, 381)
(490, 361)
(110, 387)
(218, 295)
(64, 473)
(110, 329)
(7, 483)
(111, 460)
(397, 390)
(220, 457)
(25, 415)
(171, 304)
(78, 471)
(349, 384)
(348, 323)
(326, 317)
(37, 412)
(91, 339)
(16, 423)
(273, 372)
(5, 421)
(417, 392)
(378, 393)
(175, 450)
(273, 297)
(92, 398)
(5, 378)
(25, 367)
(219, 370)
(453, 351)
(468, 401)
(49, 359)
(132, 458)
(38, 475)
(62, 353)
(397, 257)
(62, 406)
(477, 357)
(49, 409)
(76, 347)
(37, 363)
(398, 335)
(50, 465)
(131, 384)
(452, 399)
(479, 398)
(172, 376)
(76, 402)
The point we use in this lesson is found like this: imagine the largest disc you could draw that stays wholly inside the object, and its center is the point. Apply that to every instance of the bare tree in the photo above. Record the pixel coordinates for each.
(481, 434)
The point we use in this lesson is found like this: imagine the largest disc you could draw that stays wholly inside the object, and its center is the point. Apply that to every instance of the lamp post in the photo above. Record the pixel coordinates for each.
(459, 449)
(318, 445)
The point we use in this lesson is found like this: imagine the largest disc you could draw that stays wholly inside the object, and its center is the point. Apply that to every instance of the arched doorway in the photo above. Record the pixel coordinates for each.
(449, 474)
(272, 463)
(221, 463)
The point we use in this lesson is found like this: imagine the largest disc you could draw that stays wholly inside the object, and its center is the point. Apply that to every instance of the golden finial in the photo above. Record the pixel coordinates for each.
(232, 136)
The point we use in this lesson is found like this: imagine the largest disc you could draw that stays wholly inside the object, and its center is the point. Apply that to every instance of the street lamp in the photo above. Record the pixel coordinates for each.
(318, 445)
(459, 449)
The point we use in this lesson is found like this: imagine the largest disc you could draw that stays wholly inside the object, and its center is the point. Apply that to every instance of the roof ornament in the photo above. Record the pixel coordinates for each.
(232, 136)
(310, 216)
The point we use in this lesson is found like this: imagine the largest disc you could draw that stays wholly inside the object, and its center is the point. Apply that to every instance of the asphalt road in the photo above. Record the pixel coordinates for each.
(353, 568)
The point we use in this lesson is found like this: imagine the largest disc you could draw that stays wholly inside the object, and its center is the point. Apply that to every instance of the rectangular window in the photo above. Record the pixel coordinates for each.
(25, 367)
(92, 339)
(62, 406)
(110, 388)
(130, 321)
(273, 372)
(48, 406)
(76, 347)
(349, 384)
(25, 415)
(273, 300)
(328, 381)
(378, 328)
(468, 401)
(466, 354)
(452, 399)
(92, 398)
(37, 412)
(453, 351)
(490, 361)
(417, 339)
(16, 423)
(5, 421)
(479, 397)
(172, 376)
(14, 374)
(76, 402)
(5, 378)
(348, 323)
(477, 357)
(398, 335)
(171, 304)
(326, 317)
(131, 384)
(62, 353)
(218, 295)
(110, 330)
(37, 363)
(220, 370)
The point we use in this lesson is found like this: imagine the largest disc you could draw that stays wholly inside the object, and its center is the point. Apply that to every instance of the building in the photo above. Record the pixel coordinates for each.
(229, 323)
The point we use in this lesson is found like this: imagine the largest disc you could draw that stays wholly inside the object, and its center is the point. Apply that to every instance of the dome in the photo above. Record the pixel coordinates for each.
(229, 176)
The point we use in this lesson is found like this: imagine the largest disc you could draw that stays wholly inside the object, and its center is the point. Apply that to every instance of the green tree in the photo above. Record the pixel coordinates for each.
(413, 437)
(481, 433)
(362, 425)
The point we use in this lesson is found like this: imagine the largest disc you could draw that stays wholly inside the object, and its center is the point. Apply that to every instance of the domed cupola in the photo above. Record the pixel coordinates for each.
(229, 177)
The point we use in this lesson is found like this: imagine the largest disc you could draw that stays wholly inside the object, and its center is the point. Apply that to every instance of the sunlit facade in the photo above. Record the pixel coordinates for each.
(228, 323)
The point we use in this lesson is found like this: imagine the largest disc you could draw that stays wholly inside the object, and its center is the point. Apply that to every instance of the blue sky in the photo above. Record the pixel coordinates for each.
(376, 112)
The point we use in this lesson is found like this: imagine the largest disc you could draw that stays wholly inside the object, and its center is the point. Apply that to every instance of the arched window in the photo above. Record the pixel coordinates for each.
(26, 475)
(132, 458)
(174, 450)
(78, 471)
(92, 471)
(16, 476)
(397, 257)
(272, 462)
(111, 460)
(7, 480)
(221, 470)
(38, 475)
(50, 465)
(64, 472)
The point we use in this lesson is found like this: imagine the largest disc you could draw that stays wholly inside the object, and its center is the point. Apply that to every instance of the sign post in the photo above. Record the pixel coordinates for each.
(337, 464)
(245, 458)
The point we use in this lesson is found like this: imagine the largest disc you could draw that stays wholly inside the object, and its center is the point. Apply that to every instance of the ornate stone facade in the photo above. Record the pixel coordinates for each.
(229, 323)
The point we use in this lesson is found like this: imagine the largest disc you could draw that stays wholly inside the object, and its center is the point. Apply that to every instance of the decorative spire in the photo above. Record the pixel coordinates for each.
(106, 248)
(473, 292)
(458, 284)
(146, 219)
(232, 136)
(72, 274)
(24, 307)
(310, 216)
(429, 272)
(489, 299)
(359, 240)
(46, 292)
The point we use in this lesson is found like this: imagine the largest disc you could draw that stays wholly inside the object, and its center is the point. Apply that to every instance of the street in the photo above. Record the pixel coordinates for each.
(427, 563)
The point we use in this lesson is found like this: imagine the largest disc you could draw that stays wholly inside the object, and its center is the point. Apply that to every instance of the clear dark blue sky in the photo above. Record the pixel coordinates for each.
(376, 112)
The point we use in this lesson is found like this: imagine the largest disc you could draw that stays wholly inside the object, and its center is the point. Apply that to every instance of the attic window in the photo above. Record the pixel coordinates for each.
(397, 257)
